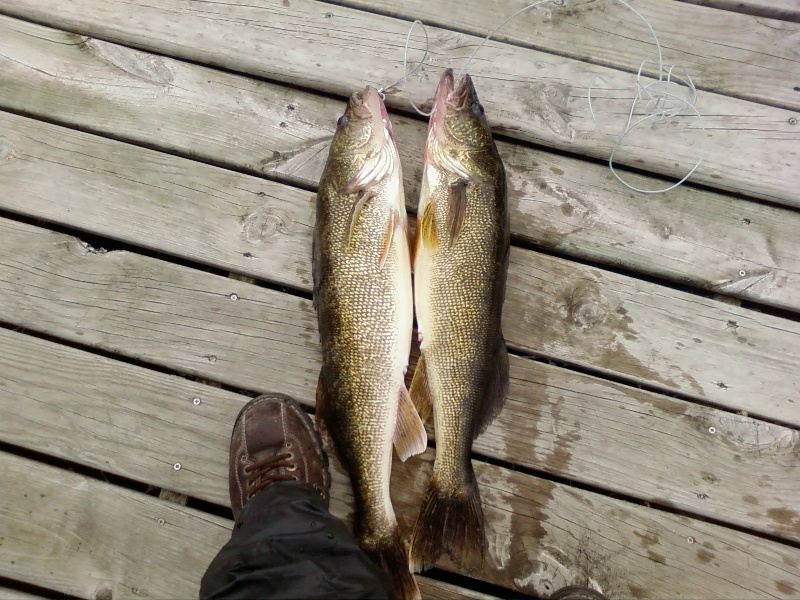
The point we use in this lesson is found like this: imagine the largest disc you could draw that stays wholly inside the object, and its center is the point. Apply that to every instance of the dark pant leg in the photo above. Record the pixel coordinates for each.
(285, 544)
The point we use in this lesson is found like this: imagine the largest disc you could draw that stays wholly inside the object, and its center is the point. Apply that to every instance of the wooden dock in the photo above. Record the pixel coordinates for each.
(158, 162)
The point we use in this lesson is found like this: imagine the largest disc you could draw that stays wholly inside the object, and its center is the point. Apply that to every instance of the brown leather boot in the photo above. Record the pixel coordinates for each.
(274, 440)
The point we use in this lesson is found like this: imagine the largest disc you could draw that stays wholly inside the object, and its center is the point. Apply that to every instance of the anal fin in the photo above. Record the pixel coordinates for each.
(420, 391)
(410, 437)
(496, 389)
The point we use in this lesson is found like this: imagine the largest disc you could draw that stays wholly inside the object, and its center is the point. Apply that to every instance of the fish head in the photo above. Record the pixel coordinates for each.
(364, 127)
(459, 136)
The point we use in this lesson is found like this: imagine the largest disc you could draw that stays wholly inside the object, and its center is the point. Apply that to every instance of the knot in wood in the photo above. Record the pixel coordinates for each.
(8, 152)
(265, 223)
(586, 308)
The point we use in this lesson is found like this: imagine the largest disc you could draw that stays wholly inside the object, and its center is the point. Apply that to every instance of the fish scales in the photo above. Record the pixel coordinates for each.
(362, 292)
(460, 276)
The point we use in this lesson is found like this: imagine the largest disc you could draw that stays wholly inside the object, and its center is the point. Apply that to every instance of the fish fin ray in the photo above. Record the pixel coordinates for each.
(496, 391)
(449, 525)
(391, 555)
(426, 228)
(394, 219)
(420, 391)
(410, 437)
(320, 414)
(358, 205)
(457, 209)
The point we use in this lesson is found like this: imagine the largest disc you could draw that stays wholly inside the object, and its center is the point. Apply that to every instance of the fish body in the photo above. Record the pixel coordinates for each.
(460, 266)
(364, 301)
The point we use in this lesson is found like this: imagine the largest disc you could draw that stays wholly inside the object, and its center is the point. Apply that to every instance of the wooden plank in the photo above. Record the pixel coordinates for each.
(541, 536)
(775, 9)
(739, 56)
(12, 594)
(559, 203)
(565, 423)
(134, 545)
(555, 308)
(529, 95)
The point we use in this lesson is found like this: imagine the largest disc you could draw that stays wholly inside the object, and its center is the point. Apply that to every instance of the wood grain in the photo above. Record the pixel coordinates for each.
(146, 308)
(96, 540)
(541, 536)
(558, 203)
(529, 95)
(83, 407)
(754, 59)
(775, 9)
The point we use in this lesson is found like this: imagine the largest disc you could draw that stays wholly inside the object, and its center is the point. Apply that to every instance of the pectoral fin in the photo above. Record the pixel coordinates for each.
(394, 220)
(356, 210)
(410, 437)
(457, 209)
(426, 228)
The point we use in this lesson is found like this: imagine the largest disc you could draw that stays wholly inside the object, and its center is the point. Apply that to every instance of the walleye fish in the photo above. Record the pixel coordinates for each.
(364, 302)
(460, 265)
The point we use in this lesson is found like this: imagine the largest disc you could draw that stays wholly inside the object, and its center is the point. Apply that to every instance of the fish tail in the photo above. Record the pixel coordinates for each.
(391, 554)
(449, 524)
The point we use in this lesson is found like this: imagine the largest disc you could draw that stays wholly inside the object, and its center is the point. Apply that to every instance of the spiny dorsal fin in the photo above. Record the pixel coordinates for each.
(457, 209)
(421, 392)
(410, 437)
(496, 390)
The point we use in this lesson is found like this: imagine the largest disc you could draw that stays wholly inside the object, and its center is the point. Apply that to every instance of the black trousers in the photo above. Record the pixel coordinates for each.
(285, 544)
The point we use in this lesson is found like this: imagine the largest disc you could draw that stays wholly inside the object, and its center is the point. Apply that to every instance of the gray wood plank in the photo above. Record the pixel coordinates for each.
(788, 10)
(93, 410)
(135, 545)
(754, 59)
(12, 594)
(690, 236)
(529, 95)
(149, 309)
(541, 535)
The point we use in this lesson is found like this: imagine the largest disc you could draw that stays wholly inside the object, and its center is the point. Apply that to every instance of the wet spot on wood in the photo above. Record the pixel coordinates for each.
(566, 209)
(697, 340)
(637, 591)
(785, 516)
(750, 499)
(556, 170)
(648, 539)
(709, 477)
(704, 556)
(656, 557)
(286, 3)
(784, 587)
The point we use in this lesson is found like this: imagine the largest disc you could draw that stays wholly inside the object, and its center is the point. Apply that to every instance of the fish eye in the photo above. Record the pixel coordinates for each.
(343, 120)
(477, 108)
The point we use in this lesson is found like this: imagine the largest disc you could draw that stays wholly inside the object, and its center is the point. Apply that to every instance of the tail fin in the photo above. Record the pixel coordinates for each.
(449, 524)
(391, 554)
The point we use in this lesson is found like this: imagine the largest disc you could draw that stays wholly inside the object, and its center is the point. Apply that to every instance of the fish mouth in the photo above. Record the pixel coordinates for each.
(443, 91)
(464, 95)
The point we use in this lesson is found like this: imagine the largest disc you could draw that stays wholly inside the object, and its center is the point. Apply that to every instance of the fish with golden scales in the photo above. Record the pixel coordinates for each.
(460, 266)
(364, 301)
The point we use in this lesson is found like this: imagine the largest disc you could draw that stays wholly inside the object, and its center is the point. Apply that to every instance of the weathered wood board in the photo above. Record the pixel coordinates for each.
(776, 9)
(558, 203)
(122, 418)
(186, 320)
(96, 540)
(11, 594)
(754, 59)
(541, 536)
(542, 97)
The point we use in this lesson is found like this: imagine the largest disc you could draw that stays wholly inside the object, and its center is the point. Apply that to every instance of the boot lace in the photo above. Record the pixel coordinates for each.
(264, 472)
